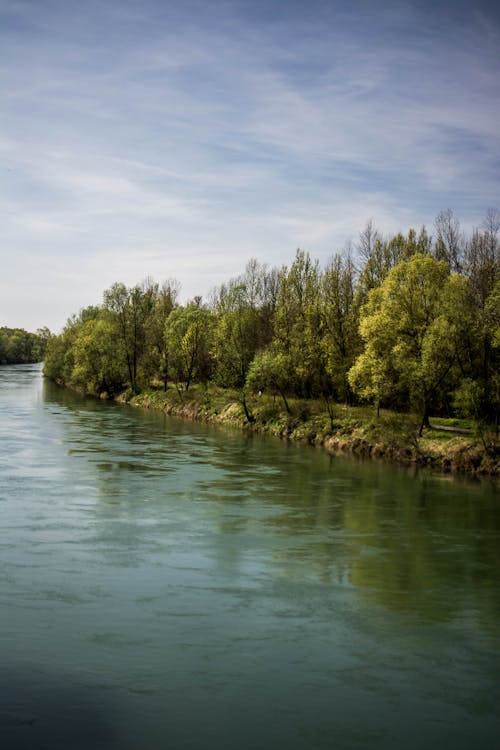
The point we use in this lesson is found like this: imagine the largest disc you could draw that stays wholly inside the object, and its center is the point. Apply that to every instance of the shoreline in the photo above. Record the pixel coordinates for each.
(391, 438)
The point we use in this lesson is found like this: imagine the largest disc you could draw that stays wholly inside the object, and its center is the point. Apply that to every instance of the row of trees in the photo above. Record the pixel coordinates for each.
(408, 322)
(18, 346)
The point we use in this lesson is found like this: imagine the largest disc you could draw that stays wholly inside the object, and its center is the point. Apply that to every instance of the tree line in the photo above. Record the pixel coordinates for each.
(407, 322)
(19, 347)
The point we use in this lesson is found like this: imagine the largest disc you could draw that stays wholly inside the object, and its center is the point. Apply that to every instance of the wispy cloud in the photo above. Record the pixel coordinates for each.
(181, 140)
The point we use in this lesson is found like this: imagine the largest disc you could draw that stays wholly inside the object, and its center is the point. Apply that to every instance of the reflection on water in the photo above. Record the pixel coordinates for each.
(212, 589)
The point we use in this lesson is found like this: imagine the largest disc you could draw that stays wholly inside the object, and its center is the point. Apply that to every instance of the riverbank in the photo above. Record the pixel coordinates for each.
(349, 430)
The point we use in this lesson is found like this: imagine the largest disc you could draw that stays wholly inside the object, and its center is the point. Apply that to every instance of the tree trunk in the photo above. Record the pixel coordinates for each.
(285, 401)
(329, 408)
(248, 414)
(425, 421)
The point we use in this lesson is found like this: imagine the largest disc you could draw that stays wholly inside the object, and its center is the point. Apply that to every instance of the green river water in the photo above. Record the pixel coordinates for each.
(170, 585)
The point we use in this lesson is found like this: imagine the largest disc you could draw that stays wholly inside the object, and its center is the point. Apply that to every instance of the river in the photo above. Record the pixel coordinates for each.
(172, 585)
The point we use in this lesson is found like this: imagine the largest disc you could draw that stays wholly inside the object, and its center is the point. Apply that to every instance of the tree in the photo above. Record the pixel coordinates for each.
(367, 241)
(236, 337)
(42, 337)
(132, 308)
(18, 346)
(481, 265)
(256, 291)
(271, 371)
(382, 255)
(492, 323)
(155, 356)
(411, 328)
(59, 353)
(482, 269)
(53, 365)
(478, 395)
(449, 245)
(340, 342)
(297, 323)
(97, 361)
(188, 339)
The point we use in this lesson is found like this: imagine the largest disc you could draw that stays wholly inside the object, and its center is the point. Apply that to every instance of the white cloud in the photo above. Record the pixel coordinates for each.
(144, 137)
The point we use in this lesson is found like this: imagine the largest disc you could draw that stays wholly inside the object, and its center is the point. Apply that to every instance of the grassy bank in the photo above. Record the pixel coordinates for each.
(450, 446)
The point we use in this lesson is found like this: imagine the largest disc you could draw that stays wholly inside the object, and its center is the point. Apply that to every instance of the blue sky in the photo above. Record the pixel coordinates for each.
(180, 139)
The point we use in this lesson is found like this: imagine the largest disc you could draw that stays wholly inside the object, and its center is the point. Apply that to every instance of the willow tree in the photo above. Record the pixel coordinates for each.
(411, 328)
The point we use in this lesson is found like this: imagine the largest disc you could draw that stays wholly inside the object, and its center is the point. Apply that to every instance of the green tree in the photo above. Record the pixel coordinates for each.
(382, 255)
(297, 324)
(155, 356)
(482, 269)
(245, 309)
(235, 339)
(478, 396)
(59, 353)
(341, 341)
(3, 346)
(188, 339)
(18, 346)
(271, 371)
(97, 361)
(492, 323)
(411, 328)
(53, 366)
(42, 337)
(132, 308)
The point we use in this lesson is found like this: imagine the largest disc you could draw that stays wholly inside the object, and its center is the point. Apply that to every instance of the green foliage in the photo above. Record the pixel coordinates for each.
(98, 364)
(132, 309)
(271, 371)
(188, 339)
(411, 329)
(297, 324)
(235, 335)
(382, 255)
(154, 360)
(116, 346)
(340, 339)
(18, 346)
(402, 330)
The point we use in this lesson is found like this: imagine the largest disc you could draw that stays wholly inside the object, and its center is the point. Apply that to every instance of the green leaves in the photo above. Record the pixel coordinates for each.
(188, 334)
(272, 371)
(410, 328)
(18, 346)
(403, 330)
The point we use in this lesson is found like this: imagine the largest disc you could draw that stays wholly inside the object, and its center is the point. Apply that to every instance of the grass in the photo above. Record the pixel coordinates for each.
(347, 429)
(453, 422)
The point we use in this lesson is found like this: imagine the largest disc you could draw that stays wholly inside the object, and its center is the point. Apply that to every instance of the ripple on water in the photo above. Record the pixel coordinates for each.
(178, 586)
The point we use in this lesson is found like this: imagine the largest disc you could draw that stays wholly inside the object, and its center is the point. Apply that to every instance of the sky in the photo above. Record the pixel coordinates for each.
(181, 139)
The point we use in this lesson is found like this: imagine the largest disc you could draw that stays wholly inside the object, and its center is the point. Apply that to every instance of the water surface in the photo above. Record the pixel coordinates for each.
(170, 585)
